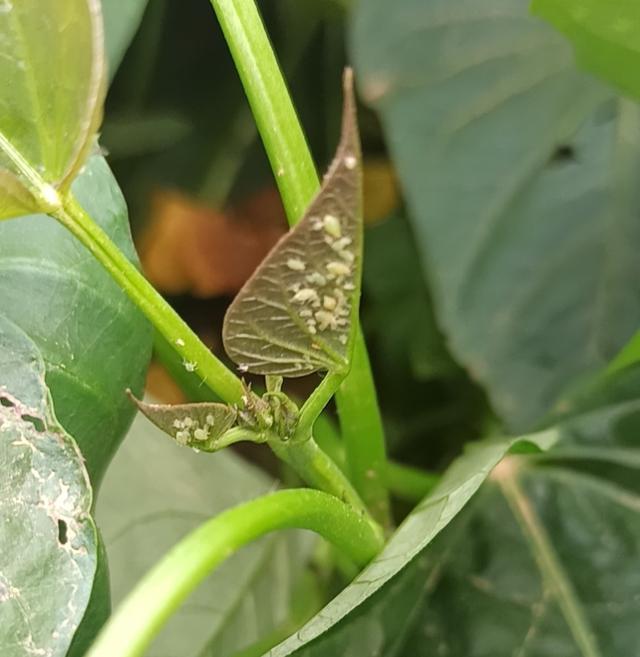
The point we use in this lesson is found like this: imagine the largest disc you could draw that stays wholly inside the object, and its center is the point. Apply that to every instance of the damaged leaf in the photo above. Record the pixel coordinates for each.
(48, 542)
(193, 425)
(53, 65)
(295, 315)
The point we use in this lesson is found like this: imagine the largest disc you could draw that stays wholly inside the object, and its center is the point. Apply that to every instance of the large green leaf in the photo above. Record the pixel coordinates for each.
(541, 561)
(156, 492)
(544, 560)
(519, 174)
(48, 542)
(94, 341)
(606, 36)
(52, 69)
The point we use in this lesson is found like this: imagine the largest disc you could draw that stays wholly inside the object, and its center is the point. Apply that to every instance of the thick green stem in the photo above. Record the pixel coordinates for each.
(320, 471)
(298, 183)
(184, 341)
(316, 403)
(163, 589)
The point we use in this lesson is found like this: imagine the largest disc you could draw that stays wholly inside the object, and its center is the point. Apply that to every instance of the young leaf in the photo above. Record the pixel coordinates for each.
(295, 315)
(52, 68)
(193, 425)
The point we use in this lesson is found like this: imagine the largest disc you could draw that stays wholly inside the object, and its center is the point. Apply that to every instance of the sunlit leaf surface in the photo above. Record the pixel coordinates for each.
(294, 316)
(52, 71)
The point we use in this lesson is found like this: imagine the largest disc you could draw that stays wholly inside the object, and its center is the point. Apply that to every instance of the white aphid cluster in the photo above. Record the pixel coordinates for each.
(188, 429)
(323, 297)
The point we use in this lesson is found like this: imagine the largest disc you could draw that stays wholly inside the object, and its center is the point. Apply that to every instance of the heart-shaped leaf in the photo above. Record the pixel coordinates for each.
(296, 313)
(48, 542)
(193, 425)
(53, 73)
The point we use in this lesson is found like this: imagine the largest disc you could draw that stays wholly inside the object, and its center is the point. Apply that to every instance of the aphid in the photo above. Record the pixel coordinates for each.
(332, 225)
(315, 278)
(305, 295)
(325, 320)
(180, 342)
(341, 244)
(350, 162)
(200, 434)
(343, 338)
(338, 269)
(182, 437)
(296, 264)
(329, 303)
(189, 366)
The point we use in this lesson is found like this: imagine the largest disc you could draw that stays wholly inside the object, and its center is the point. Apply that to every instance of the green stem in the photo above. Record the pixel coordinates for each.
(316, 402)
(298, 183)
(164, 319)
(144, 612)
(320, 471)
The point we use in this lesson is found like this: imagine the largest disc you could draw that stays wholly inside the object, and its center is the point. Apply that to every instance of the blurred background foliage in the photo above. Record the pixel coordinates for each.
(204, 208)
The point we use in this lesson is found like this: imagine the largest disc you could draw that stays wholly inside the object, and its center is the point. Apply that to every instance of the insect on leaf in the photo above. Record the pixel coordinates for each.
(297, 313)
(192, 425)
(53, 73)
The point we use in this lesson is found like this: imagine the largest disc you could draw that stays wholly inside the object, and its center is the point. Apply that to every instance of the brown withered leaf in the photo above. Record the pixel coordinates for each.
(190, 248)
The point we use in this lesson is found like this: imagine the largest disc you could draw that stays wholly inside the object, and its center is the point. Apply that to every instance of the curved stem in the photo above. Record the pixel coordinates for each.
(143, 613)
(163, 317)
(298, 183)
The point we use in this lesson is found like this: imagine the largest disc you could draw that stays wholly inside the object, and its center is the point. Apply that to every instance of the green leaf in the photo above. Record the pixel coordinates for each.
(544, 561)
(52, 68)
(154, 493)
(606, 36)
(339, 619)
(48, 541)
(94, 341)
(541, 561)
(194, 425)
(296, 313)
(121, 21)
(519, 175)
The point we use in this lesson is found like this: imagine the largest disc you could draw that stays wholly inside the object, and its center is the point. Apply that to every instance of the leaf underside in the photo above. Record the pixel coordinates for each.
(52, 69)
(295, 314)
(193, 425)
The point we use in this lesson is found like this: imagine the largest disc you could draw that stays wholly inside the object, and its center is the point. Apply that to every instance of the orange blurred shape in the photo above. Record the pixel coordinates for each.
(191, 248)
(380, 189)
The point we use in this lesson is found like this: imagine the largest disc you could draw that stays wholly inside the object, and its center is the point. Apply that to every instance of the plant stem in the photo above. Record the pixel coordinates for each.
(316, 403)
(320, 471)
(164, 319)
(298, 183)
(143, 613)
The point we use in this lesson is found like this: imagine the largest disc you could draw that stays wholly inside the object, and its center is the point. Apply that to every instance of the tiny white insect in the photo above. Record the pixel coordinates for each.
(329, 303)
(332, 225)
(182, 437)
(210, 420)
(325, 319)
(315, 278)
(338, 269)
(180, 342)
(350, 162)
(200, 434)
(189, 366)
(296, 264)
(343, 338)
(341, 244)
(305, 295)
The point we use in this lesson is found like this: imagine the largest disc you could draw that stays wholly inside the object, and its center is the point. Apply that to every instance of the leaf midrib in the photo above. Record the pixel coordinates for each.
(548, 562)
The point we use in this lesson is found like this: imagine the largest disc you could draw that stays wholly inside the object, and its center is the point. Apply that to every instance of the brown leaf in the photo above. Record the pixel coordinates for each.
(190, 248)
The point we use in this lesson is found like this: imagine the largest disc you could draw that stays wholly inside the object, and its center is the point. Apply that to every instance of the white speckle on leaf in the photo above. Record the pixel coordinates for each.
(329, 303)
(316, 278)
(200, 434)
(332, 225)
(180, 342)
(343, 338)
(305, 295)
(338, 269)
(190, 366)
(296, 264)
(325, 319)
(210, 420)
(350, 161)
(182, 437)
